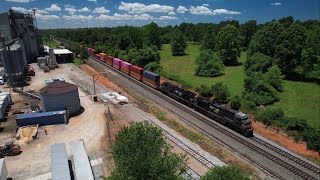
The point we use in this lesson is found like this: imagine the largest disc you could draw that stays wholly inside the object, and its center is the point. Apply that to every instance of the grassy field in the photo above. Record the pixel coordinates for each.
(298, 99)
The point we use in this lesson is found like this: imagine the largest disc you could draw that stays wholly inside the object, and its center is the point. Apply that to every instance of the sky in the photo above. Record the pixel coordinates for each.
(52, 14)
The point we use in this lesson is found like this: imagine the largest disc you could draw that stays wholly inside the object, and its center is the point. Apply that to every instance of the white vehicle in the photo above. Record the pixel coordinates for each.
(1, 80)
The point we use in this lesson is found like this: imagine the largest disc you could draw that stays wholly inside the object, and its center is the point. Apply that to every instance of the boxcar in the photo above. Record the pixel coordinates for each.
(137, 72)
(126, 67)
(117, 63)
(109, 60)
(152, 79)
(103, 57)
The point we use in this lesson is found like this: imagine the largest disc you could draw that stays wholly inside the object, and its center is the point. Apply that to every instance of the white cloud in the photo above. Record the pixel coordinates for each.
(276, 4)
(139, 8)
(202, 10)
(182, 9)
(20, 1)
(71, 10)
(167, 17)
(39, 11)
(101, 10)
(78, 17)
(85, 9)
(20, 9)
(53, 7)
(205, 5)
(47, 17)
(171, 13)
(119, 17)
(92, 0)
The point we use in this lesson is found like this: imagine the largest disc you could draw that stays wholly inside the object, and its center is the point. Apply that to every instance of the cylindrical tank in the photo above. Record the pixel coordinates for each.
(60, 95)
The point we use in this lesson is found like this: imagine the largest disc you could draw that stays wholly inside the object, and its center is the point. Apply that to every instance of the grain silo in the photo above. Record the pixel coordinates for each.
(60, 95)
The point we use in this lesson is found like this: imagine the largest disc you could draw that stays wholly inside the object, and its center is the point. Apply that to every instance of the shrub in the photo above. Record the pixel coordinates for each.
(224, 173)
(220, 92)
(204, 91)
(312, 137)
(270, 115)
(235, 103)
(248, 105)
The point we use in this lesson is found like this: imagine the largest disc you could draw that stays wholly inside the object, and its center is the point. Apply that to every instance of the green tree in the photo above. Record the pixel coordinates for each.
(141, 152)
(209, 41)
(83, 54)
(258, 62)
(146, 55)
(286, 21)
(204, 91)
(228, 45)
(178, 43)
(265, 39)
(154, 67)
(247, 30)
(220, 92)
(152, 35)
(209, 64)
(124, 41)
(224, 173)
(235, 103)
(288, 50)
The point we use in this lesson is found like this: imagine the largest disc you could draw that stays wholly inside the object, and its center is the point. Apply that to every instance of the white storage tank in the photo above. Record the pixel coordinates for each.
(60, 95)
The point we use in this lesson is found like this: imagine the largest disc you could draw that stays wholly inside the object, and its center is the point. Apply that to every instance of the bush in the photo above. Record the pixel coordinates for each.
(312, 138)
(224, 173)
(270, 115)
(208, 64)
(295, 124)
(220, 92)
(204, 91)
(235, 103)
(248, 105)
(154, 67)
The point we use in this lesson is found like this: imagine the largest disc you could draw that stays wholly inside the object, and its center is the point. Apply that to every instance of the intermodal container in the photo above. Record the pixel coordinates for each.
(93, 52)
(109, 60)
(137, 72)
(117, 63)
(59, 162)
(80, 161)
(89, 50)
(152, 79)
(125, 67)
(103, 57)
(97, 56)
(43, 119)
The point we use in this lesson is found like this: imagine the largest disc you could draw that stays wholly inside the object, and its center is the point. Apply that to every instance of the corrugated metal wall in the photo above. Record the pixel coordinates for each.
(64, 101)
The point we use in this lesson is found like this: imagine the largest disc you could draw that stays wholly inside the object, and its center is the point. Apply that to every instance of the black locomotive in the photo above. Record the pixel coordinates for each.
(237, 121)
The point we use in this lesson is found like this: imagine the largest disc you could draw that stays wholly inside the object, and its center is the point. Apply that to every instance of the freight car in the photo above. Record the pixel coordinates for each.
(179, 94)
(235, 120)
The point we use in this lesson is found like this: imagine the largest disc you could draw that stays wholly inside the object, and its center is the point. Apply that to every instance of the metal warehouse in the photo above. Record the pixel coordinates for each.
(60, 95)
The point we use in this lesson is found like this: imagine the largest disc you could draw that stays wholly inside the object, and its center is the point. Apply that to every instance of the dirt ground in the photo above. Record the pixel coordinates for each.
(286, 141)
(35, 158)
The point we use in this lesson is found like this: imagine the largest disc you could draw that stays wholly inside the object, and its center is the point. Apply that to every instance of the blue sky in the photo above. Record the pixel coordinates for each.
(101, 13)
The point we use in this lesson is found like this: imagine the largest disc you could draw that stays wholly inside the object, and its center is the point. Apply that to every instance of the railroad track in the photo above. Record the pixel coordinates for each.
(247, 142)
(289, 156)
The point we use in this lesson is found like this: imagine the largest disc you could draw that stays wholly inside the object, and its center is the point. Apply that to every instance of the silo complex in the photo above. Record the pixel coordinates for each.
(60, 95)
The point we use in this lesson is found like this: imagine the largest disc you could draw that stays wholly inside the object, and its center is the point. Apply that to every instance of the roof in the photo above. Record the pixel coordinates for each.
(58, 87)
(59, 162)
(124, 62)
(62, 51)
(81, 164)
(24, 116)
(152, 73)
(117, 59)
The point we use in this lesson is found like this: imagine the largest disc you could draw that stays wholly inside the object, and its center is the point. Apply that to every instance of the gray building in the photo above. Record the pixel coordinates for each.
(60, 95)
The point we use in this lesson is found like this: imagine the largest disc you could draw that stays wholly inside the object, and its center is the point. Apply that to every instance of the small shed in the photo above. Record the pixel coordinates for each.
(63, 55)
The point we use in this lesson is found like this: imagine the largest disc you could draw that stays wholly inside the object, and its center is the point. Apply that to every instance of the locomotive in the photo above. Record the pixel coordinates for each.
(235, 120)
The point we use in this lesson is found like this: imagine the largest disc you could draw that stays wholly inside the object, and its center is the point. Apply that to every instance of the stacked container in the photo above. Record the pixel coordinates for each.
(117, 63)
(152, 79)
(137, 72)
(5, 101)
(9, 96)
(103, 57)
(91, 51)
(109, 60)
(125, 67)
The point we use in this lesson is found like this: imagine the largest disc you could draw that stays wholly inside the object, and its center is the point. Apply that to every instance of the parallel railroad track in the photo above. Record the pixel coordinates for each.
(247, 142)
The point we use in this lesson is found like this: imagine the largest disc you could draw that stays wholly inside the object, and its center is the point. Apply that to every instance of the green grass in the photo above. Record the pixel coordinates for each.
(184, 66)
(77, 62)
(299, 99)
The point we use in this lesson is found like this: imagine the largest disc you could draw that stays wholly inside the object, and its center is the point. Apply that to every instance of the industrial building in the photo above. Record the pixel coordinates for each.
(59, 95)
(20, 44)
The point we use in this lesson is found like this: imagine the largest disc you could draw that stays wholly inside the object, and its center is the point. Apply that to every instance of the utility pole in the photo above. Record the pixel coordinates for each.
(95, 79)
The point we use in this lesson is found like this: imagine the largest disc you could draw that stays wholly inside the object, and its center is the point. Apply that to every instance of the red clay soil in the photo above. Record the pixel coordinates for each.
(281, 138)
(102, 80)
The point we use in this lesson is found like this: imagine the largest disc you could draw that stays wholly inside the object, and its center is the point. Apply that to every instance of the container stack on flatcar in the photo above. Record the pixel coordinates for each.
(117, 63)
(125, 67)
(109, 60)
(221, 113)
(151, 79)
(103, 57)
(137, 72)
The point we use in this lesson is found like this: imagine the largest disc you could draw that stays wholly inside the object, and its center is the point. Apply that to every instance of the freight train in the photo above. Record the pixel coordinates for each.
(233, 119)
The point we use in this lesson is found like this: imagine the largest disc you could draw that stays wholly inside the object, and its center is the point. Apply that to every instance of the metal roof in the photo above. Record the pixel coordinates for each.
(62, 51)
(58, 87)
(23, 116)
(59, 162)
(152, 73)
(81, 164)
